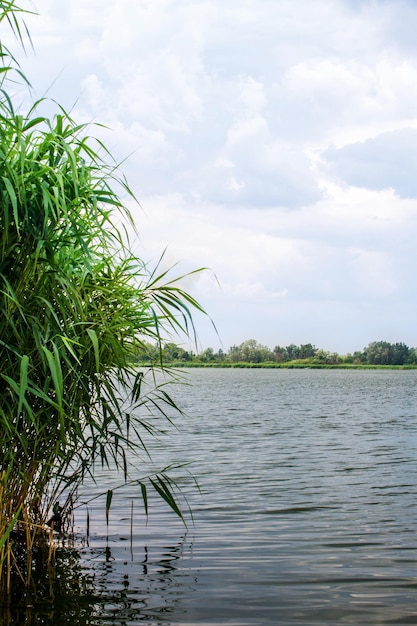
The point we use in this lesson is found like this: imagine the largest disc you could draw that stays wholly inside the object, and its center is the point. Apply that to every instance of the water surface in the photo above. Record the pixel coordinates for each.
(307, 512)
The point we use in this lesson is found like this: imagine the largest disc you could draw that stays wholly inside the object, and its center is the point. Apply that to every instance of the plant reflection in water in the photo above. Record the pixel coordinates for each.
(88, 585)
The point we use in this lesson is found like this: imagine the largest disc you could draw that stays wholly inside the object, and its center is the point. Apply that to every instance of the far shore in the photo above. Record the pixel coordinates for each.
(288, 365)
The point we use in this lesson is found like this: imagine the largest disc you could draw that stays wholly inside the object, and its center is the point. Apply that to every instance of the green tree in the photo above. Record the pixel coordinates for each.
(280, 354)
(307, 351)
(400, 354)
(293, 352)
(385, 353)
(148, 353)
(322, 356)
(207, 356)
(253, 352)
(412, 356)
(235, 354)
(171, 352)
(358, 357)
(220, 356)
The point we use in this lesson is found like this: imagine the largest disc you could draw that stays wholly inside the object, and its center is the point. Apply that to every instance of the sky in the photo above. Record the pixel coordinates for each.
(273, 142)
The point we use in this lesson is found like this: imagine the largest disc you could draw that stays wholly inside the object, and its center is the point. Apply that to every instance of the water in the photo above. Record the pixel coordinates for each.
(307, 512)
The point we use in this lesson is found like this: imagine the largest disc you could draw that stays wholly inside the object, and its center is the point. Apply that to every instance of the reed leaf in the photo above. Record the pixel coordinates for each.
(109, 497)
(144, 494)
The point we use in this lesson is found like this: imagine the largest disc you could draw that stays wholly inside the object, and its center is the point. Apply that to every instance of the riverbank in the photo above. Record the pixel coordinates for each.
(290, 365)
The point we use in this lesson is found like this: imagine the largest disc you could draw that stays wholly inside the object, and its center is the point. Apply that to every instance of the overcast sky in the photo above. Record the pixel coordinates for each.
(273, 141)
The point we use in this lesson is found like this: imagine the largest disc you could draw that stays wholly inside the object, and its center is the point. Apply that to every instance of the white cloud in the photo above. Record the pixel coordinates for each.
(252, 97)
(386, 161)
(272, 140)
(374, 273)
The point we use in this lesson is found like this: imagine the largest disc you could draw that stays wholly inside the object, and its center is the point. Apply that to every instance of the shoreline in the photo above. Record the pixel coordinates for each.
(290, 365)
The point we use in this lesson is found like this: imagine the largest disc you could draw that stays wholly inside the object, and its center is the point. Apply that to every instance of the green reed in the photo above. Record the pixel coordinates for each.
(77, 306)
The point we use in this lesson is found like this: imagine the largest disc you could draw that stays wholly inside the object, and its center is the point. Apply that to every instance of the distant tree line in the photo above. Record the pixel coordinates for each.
(250, 351)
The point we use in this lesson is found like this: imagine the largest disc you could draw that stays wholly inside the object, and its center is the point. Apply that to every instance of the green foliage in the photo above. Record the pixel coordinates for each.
(77, 307)
(384, 353)
(251, 353)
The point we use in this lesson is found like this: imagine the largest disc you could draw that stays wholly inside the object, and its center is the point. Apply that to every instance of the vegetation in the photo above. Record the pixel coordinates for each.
(76, 308)
(250, 352)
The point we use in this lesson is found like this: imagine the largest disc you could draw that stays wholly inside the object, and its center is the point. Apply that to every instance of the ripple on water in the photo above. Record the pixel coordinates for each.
(307, 512)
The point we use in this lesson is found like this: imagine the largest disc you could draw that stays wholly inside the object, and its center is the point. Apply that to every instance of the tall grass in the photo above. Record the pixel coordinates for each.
(76, 307)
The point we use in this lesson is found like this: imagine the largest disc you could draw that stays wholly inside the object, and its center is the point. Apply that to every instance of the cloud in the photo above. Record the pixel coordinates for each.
(253, 168)
(258, 84)
(348, 247)
(273, 141)
(386, 161)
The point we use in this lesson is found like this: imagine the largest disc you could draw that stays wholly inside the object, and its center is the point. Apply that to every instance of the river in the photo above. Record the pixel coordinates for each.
(306, 514)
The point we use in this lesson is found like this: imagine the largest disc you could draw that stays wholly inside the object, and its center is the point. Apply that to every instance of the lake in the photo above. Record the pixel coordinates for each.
(307, 512)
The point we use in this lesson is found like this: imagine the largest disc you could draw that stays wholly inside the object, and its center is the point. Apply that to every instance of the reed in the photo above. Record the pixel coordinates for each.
(77, 306)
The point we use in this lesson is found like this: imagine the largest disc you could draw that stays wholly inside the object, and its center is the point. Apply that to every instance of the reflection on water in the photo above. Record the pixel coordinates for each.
(308, 512)
(102, 584)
